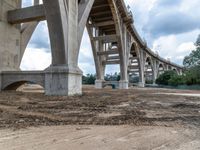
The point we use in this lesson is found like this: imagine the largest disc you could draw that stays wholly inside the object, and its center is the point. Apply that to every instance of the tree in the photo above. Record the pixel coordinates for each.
(89, 79)
(112, 77)
(164, 78)
(194, 57)
(176, 80)
(197, 44)
(192, 76)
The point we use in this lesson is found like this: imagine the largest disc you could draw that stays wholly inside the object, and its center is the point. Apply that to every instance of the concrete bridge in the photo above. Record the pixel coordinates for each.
(113, 36)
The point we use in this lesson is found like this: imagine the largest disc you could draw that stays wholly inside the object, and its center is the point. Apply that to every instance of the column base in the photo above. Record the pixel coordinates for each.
(141, 84)
(99, 84)
(63, 81)
(0, 81)
(123, 84)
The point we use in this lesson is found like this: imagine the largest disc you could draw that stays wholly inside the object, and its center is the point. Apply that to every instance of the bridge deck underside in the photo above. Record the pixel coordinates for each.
(101, 17)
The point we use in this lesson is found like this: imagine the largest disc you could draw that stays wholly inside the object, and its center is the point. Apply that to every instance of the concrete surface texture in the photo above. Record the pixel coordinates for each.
(114, 40)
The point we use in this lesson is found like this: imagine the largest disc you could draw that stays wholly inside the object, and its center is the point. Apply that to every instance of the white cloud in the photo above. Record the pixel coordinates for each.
(35, 59)
(171, 47)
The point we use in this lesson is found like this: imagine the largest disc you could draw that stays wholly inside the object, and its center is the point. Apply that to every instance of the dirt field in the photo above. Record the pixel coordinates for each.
(136, 118)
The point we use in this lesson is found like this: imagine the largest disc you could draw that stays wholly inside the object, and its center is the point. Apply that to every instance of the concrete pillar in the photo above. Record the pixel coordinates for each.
(97, 46)
(63, 77)
(99, 83)
(13, 38)
(142, 65)
(155, 70)
(180, 72)
(167, 67)
(123, 83)
(9, 38)
(0, 81)
(61, 80)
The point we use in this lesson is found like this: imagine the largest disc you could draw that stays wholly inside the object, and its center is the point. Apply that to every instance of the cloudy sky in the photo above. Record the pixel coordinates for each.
(170, 27)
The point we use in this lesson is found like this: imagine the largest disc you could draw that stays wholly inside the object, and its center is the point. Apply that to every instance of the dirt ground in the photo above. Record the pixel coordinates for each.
(101, 119)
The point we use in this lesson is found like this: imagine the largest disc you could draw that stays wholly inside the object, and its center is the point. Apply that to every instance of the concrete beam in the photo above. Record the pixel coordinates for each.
(113, 51)
(114, 62)
(106, 38)
(29, 14)
(133, 67)
(104, 23)
(113, 57)
(101, 13)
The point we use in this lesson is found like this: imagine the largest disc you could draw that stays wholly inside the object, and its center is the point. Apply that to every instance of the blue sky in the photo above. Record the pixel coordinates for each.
(170, 27)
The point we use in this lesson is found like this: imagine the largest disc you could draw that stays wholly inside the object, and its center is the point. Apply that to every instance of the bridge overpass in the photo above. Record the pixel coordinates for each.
(112, 33)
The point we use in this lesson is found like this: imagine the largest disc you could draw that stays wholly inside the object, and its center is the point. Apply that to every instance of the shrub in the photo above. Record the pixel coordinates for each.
(89, 79)
(164, 78)
(176, 80)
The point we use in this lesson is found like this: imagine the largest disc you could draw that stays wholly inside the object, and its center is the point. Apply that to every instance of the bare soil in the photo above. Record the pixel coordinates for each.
(100, 107)
(138, 114)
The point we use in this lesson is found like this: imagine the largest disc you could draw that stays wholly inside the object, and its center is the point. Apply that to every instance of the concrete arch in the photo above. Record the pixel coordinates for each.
(113, 84)
(134, 68)
(27, 30)
(13, 80)
(174, 69)
(106, 38)
(148, 69)
(134, 49)
(169, 67)
(161, 69)
(17, 84)
(149, 61)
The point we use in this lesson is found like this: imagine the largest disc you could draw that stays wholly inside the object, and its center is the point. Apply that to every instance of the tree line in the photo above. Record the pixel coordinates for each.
(191, 73)
(90, 78)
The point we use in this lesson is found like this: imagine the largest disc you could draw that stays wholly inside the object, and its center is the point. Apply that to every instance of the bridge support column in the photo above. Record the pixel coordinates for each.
(123, 84)
(0, 81)
(142, 65)
(63, 77)
(10, 38)
(155, 71)
(61, 80)
(99, 84)
(97, 46)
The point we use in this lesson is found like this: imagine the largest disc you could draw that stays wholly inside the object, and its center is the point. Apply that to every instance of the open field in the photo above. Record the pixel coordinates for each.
(101, 119)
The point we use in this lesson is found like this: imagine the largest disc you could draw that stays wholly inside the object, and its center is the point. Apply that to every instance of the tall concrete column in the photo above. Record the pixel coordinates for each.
(9, 38)
(180, 72)
(167, 67)
(63, 77)
(99, 83)
(97, 46)
(0, 82)
(155, 70)
(123, 83)
(142, 65)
